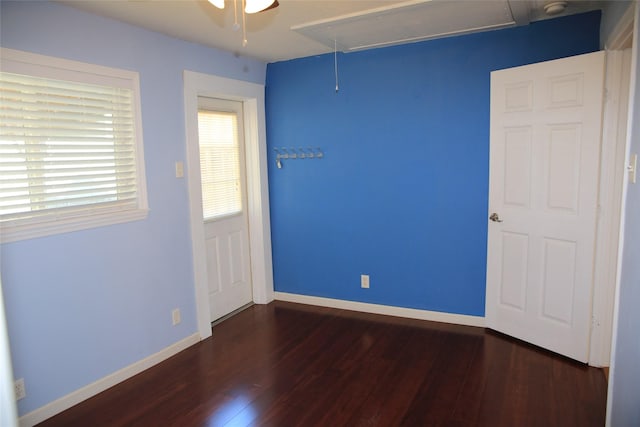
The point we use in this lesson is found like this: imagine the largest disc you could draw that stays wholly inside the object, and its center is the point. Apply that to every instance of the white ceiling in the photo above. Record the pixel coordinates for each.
(354, 24)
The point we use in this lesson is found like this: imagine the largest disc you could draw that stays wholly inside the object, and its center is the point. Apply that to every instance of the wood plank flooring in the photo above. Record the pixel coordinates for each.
(288, 364)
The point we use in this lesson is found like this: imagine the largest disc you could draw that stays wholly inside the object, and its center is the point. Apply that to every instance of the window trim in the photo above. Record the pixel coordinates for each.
(20, 62)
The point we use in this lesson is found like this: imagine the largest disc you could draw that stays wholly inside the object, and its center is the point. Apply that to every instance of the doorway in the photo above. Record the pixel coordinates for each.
(251, 96)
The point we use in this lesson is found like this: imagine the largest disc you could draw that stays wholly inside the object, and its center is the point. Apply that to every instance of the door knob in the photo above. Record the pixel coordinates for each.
(495, 218)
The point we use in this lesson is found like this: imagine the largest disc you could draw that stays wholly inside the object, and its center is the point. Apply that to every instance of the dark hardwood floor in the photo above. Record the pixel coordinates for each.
(294, 365)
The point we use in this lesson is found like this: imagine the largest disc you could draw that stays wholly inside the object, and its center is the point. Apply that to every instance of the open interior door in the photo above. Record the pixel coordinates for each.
(546, 121)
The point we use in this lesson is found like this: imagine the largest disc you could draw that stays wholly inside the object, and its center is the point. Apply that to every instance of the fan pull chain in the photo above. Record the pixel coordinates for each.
(335, 62)
(244, 25)
(236, 26)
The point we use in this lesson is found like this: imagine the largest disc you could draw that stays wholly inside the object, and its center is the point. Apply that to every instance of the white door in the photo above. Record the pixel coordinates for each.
(222, 174)
(543, 192)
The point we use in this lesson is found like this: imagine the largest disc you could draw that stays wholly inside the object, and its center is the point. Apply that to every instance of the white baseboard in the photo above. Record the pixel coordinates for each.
(71, 399)
(411, 313)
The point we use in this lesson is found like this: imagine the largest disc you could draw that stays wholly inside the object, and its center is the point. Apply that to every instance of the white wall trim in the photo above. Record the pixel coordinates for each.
(612, 173)
(84, 393)
(411, 313)
(252, 97)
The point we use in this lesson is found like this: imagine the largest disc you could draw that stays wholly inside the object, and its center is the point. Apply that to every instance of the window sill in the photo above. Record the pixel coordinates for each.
(13, 233)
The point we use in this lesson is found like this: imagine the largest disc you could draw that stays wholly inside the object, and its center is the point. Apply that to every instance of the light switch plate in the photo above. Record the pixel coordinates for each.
(20, 390)
(633, 168)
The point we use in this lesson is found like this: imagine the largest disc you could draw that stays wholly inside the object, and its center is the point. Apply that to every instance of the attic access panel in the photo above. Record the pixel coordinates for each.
(408, 22)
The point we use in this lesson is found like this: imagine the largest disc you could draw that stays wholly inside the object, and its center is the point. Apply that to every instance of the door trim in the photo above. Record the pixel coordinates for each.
(252, 97)
(612, 174)
(614, 139)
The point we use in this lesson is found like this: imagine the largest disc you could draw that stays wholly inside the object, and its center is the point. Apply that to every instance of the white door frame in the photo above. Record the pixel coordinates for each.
(609, 202)
(252, 97)
(610, 199)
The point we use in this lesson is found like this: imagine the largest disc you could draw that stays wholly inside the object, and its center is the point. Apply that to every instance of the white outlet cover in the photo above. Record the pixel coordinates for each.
(179, 169)
(175, 316)
(364, 281)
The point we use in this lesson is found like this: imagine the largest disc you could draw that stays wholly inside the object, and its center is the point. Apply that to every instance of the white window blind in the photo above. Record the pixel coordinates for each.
(68, 153)
(219, 164)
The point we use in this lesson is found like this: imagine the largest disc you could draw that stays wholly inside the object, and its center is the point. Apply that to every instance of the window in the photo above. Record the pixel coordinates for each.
(219, 163)
(70, 146)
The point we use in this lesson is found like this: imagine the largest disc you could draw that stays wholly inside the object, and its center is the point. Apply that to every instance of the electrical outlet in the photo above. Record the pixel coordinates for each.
(175, 316)
(364, 281)
(179, 170)
(19, 388)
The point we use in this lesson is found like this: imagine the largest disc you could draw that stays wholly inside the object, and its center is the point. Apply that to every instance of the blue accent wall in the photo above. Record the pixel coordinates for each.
(83, 305)
(402, 191)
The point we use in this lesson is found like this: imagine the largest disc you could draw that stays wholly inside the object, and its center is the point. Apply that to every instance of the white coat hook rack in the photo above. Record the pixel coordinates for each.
(300, 153)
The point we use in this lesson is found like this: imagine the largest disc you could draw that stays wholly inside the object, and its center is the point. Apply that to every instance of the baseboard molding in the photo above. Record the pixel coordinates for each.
(411, 313)
(71, 399)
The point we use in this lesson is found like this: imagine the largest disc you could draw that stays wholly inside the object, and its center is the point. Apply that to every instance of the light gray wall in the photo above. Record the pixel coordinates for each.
(624, 389)
(611, 14)
(83, 305)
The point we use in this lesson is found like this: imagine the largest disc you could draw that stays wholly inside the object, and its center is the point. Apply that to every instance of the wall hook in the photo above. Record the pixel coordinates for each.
(283, 153)
(278, 156)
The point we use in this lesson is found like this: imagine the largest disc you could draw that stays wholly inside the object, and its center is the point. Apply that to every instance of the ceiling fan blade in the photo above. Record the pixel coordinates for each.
(273, 6)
